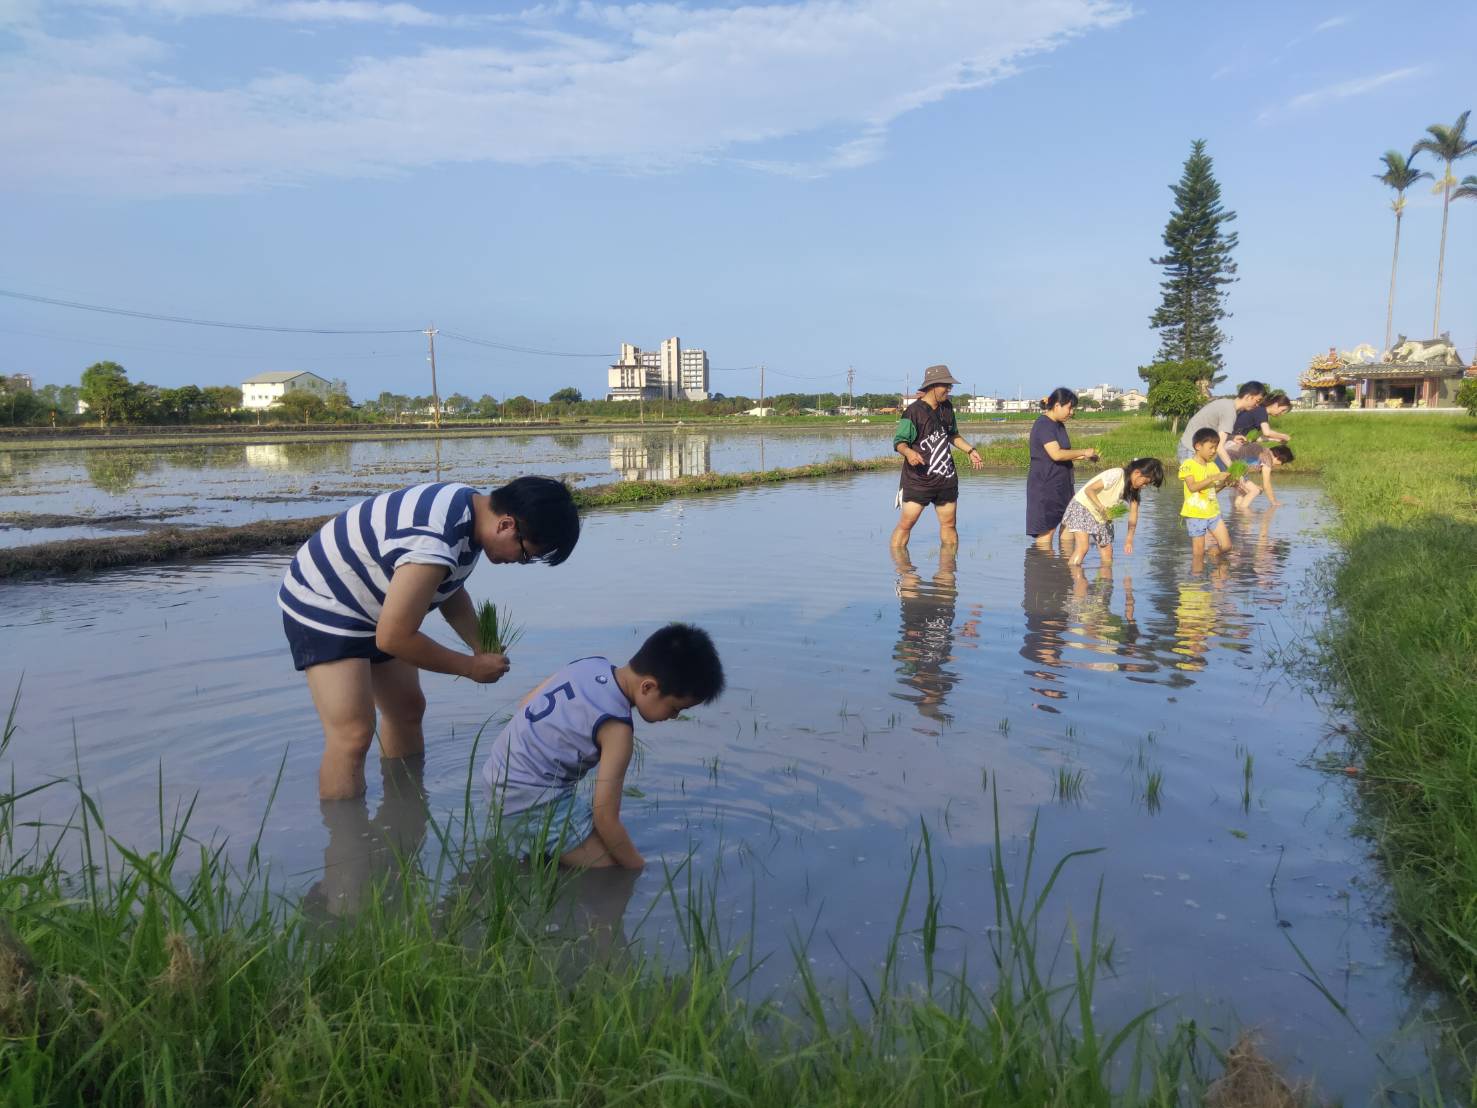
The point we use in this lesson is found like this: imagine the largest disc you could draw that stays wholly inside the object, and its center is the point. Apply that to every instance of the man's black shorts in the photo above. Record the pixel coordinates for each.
(931, 496)
(311, 647)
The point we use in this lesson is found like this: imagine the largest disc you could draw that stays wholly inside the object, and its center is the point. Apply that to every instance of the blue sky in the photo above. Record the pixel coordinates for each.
(810, 185)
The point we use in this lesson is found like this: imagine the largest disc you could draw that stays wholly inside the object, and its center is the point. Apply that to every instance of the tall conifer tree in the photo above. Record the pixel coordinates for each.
(1197, 266)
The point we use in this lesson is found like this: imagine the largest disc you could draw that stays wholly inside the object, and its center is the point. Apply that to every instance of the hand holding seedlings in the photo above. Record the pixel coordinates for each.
(487, 667)
(496, 632)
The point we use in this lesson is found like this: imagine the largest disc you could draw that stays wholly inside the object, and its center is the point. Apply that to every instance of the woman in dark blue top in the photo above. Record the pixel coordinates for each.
(1049, 487)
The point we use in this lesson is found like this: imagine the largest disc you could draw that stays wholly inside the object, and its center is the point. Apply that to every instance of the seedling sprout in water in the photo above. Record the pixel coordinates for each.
(496, 633)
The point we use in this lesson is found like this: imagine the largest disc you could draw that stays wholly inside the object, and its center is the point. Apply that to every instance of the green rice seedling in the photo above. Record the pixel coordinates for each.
(1068, 784)
(1246, 782)
(496, 633)
(1118, 510)
(1236, 473)
(1154, 790)
(1004, 725)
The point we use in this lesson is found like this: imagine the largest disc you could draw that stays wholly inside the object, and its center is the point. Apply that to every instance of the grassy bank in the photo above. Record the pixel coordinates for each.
(1403, 641)
(168, 978)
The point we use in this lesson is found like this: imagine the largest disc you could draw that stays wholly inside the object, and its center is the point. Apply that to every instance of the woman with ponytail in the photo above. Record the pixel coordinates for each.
(1049, 485)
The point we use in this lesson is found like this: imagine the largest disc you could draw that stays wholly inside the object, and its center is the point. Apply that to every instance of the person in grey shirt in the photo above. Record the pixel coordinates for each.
(1220, 415)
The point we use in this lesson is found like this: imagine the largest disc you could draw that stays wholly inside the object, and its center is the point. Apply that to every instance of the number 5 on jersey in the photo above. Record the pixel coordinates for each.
(550, 700)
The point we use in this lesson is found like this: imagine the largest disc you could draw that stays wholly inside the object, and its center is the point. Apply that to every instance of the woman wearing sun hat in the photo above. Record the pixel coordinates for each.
(925, 437)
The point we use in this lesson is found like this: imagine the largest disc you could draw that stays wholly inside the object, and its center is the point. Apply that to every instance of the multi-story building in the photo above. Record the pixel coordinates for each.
(266, 389)
(1132, 400)
(667, 373)
(694, 376)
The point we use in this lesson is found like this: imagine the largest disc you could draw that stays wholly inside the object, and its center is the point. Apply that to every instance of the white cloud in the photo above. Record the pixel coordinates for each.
(1332, 22)
(1341, 91)
(294, 11)
(648, 86)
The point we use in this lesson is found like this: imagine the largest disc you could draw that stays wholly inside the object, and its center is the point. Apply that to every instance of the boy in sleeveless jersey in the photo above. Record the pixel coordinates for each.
(578, 719)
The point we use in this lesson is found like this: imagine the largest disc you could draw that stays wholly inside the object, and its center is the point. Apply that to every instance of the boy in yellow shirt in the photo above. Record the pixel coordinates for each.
(1203, 479)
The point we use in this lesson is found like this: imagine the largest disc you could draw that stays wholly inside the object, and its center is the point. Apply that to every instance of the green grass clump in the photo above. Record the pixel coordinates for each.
(496, 633)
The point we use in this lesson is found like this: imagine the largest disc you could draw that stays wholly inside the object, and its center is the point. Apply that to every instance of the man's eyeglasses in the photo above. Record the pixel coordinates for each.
(524, 557)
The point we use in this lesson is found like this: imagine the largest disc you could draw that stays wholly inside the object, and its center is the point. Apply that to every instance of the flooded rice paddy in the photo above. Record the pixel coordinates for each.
(1149, 711)
(47, 495)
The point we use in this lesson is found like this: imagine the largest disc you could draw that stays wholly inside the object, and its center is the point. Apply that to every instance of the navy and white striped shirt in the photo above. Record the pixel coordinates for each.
(336, 582)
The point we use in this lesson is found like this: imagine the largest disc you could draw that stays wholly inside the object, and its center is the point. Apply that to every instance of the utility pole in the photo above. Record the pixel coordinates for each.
(430, 334)
(761, 390)
(850, 381)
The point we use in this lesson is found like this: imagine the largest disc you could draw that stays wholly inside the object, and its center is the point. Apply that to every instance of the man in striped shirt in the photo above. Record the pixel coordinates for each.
(354, 597)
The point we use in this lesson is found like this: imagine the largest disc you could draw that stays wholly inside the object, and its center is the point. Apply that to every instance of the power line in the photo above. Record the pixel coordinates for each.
(88, 340)
(204, 322)
(520, 349)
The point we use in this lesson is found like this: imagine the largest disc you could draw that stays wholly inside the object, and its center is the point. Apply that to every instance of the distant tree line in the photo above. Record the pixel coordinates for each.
(112, 398)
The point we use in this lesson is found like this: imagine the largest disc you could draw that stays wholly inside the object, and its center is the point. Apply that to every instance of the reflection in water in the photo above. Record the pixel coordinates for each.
(1048, 580)
(1070, 624)
(925, 644)
(658, 456)
(116, 471)
(299, 457)
(1194, 622)
(361, 851)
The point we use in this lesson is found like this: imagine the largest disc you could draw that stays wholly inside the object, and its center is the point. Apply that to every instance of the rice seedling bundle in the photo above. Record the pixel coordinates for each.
(1118, 510)
(1236, 473)
(496, 633)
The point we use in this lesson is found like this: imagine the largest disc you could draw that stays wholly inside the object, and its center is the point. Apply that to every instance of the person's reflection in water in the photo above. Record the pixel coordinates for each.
(366, 854)
(1196, 618)
(591, 912)
(1044, 595)
(1099, 630)
(926, 639)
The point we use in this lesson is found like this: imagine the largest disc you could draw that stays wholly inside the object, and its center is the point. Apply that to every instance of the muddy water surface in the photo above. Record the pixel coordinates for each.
(1145, 711)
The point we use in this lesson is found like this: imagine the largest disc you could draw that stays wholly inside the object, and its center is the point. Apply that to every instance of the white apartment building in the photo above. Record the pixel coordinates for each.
(266, 389)
(694, 374)
(1132, 399)
(668, 373)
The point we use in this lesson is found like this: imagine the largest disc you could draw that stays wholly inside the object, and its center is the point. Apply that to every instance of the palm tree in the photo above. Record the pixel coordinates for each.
(1400, 173)
(1448, 144)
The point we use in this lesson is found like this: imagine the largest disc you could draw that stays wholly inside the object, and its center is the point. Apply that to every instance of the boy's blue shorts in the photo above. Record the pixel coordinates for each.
(311, 647)
(552, 828)
(1201, 527)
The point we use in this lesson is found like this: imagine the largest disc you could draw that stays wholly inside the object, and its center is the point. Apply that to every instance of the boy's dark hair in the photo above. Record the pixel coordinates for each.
(1152, 468)
(1206, 434)
(1251, 388)
(1061, 396)
(683, 661)
(1282, 453)
(546, 515)
(1279, 398)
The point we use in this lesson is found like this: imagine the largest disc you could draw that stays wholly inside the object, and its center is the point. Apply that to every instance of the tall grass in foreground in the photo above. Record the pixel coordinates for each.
(129, 982)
